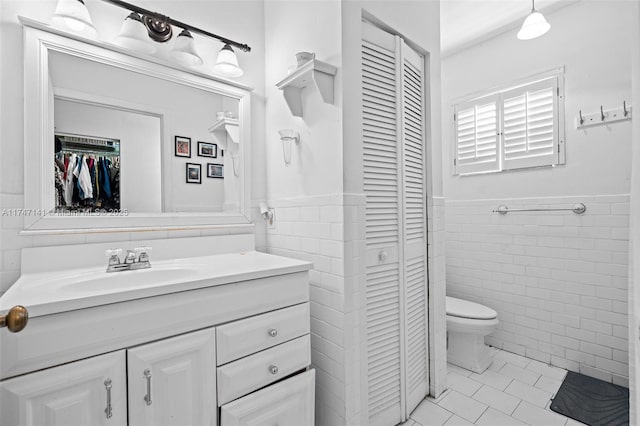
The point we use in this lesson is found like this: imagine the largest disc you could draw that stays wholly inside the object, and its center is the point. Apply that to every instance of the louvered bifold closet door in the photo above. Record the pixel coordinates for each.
(530, 129)
(381, 186)
(413, 182)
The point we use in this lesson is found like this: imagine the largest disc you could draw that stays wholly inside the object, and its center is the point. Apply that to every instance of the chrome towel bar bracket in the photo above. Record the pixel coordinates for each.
(577, 208)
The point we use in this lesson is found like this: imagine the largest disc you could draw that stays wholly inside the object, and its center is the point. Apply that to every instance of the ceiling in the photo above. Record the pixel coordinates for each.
(467, 22)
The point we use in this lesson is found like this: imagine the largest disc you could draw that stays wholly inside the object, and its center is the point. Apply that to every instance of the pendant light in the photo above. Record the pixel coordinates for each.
(534, 25)
(227, 63)
(73, 14)
(184, 49)
(133, 34)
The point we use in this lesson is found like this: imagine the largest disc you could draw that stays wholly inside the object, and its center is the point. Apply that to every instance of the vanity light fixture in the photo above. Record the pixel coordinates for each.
(184, 49)
(133, 34)
(288, 137)
(227, 63)
(534, 25)
(73, 14)
(159, 29)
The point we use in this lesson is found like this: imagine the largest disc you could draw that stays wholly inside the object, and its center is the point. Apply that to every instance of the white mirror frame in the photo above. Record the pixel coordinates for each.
(39, 40)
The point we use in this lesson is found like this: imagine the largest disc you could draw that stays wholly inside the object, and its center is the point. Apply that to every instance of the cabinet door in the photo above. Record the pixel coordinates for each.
(173, 381)
(91, 392)
(287, 403)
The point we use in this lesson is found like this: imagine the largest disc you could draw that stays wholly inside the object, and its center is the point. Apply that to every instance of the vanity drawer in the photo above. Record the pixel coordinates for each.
(241, 377)
(248, 336)
(287, 403)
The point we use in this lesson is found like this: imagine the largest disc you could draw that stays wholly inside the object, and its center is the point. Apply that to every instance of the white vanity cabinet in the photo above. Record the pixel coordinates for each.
(90, 392)
(236, 343)
(173, 381)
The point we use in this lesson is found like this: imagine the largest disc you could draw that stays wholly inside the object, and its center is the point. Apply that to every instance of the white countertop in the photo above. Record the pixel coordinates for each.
(46, 293)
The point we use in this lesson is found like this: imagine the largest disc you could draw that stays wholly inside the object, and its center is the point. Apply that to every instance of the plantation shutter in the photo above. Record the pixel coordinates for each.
(530, 125)
(381, 164)
(415, 227)
(476, 131)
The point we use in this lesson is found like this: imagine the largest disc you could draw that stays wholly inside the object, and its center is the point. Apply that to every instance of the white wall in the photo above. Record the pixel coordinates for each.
(140, 178)
(539, 266)
(634, 248)
(243, 21)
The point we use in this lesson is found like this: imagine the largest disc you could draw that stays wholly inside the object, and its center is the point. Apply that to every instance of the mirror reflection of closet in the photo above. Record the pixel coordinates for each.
(87, 174)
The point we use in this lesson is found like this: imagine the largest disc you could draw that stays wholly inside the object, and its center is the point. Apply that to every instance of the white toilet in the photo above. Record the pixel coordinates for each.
(467, 324)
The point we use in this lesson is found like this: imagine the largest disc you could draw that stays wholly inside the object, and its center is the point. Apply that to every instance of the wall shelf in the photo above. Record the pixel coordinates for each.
(313, 73)
(225, 128)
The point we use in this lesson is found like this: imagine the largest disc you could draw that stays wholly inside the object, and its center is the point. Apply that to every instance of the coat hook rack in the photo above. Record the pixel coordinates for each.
(603, 116)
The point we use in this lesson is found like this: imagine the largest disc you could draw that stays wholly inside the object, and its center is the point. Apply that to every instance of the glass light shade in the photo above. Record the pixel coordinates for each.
(534, 26)
(184, 50)
(227, 63)
(133, 35)
(73, 14)
(288, 137)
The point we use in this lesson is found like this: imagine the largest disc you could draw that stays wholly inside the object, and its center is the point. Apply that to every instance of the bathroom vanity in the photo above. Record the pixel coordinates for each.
(208, 340)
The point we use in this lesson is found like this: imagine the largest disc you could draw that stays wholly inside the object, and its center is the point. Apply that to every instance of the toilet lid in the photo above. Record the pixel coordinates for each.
(465, 309)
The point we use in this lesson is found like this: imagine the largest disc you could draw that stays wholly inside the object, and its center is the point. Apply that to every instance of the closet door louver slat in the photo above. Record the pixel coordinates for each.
(415, 228)
(382, 233)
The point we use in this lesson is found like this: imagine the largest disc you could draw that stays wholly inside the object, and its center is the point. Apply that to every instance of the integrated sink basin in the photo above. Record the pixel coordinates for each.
(127, 280)
(47, 292)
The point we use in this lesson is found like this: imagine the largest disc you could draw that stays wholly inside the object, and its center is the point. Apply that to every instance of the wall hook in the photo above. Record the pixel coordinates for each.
(624, 108)
(581, 118)
(601, 113)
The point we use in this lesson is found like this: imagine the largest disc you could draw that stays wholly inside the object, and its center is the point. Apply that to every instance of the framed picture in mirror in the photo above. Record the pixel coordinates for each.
(182, 146)
(215, 170)
(194, 173)
(206, 149)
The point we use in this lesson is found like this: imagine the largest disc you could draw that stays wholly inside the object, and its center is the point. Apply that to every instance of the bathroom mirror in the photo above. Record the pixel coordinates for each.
(114, 139)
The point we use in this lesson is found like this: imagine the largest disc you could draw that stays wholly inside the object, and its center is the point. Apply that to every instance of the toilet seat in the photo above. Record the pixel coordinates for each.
(468, 310)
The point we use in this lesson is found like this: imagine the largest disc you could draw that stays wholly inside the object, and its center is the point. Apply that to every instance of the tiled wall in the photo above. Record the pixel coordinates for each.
(313, 229)
(557, 280)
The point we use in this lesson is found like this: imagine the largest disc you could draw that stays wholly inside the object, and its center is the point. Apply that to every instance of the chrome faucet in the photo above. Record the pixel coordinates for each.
(138, 258)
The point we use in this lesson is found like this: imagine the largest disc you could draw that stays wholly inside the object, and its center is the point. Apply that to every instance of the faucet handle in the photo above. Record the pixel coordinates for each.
(113, 252)
(142, 253)
(113, 255)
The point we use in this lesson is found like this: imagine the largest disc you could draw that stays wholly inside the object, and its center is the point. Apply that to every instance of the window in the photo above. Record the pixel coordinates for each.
(516, 127)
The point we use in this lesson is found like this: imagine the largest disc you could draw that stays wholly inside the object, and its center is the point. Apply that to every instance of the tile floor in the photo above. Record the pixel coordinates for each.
(513, 391)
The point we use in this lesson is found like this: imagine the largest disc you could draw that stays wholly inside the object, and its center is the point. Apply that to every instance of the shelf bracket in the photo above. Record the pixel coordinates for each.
(314, 73)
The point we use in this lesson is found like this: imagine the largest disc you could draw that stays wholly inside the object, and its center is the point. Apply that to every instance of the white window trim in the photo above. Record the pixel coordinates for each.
(558, 75)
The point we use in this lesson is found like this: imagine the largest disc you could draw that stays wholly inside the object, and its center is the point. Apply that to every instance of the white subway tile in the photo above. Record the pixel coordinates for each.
(597, 350)
(596, 373)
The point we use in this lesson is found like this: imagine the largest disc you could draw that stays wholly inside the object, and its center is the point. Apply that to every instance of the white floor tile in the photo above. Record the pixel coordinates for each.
(463, 406)
(497, 364)
(547, 370)
(571, 422)
(525, 376)
(492, 378)
(428, 414)
(457, 421)
(548, 384)
(512, 358)
(462, 384)
(496, 399)
(529, 393)
(461, 371)
(493, 417)
(533, 415)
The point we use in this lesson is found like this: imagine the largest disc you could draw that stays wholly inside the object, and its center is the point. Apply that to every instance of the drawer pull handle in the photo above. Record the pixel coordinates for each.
(273, 332)
(273, 369)
(16, 319)
(147, 397)
(107, 386)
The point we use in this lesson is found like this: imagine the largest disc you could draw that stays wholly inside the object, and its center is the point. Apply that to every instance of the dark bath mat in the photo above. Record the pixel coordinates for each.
(592, 401)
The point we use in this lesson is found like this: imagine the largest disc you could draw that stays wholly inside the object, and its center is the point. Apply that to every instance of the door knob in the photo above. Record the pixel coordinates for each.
(382, 256)
(16, 319)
